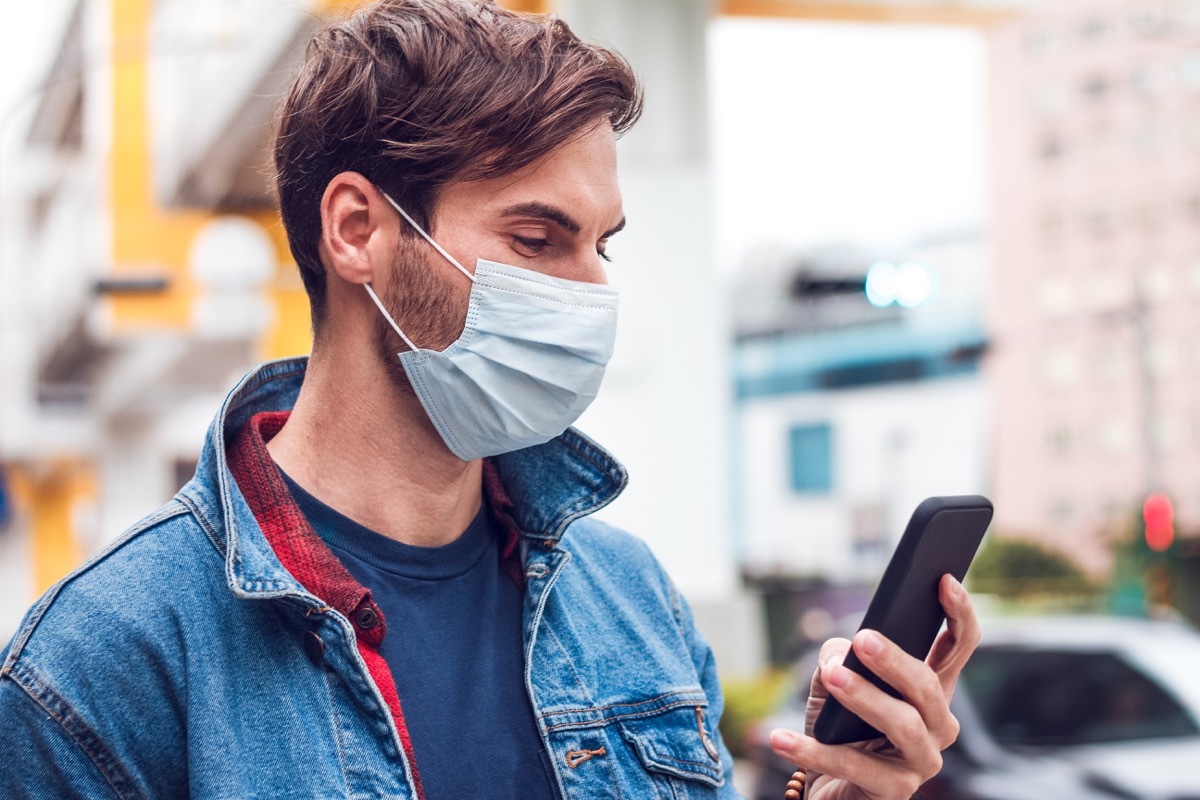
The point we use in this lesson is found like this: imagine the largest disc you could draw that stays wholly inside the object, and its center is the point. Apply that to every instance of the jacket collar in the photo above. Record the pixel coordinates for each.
(550, 485)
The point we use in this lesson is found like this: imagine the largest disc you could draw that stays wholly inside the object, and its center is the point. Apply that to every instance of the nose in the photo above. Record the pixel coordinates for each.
(587, 267)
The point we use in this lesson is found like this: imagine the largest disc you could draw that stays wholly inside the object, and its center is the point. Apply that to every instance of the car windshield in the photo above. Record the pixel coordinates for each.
(1048, 698)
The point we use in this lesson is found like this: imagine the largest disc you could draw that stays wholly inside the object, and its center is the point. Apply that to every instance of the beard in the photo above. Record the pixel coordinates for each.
(426, 300)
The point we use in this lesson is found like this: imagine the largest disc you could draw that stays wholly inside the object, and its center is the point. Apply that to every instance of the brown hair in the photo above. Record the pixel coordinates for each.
(414, 94)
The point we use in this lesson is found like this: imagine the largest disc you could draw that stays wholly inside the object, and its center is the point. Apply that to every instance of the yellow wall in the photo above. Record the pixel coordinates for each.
(151, 241)
(52, 499)
(290, 333)
(147, 241)
(530, 6)
(927, 13)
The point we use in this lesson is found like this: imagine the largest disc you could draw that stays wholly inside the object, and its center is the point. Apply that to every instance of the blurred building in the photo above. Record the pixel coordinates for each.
(851, 409)
(131, 299)
(1095, 234)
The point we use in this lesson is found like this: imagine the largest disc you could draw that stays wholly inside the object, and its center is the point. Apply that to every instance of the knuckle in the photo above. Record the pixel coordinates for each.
(910, 725)
(910, 785)
(953, 728)
(929, 690)
(933, 765)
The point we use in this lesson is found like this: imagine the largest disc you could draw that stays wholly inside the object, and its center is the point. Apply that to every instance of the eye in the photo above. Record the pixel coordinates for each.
(604, 256)
(533, 245)
(602, 250)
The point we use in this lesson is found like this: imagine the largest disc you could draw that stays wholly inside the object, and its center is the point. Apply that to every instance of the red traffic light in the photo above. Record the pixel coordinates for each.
(1159, 516)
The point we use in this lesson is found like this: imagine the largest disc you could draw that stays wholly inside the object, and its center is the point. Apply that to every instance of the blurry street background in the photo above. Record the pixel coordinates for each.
(877, 251)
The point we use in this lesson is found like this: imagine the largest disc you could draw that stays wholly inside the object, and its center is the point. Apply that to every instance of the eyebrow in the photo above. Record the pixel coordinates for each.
(559, 217)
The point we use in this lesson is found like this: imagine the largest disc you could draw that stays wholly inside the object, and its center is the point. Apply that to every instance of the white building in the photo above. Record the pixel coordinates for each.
(849, 415)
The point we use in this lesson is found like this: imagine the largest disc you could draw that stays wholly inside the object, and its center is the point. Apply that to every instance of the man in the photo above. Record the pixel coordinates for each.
(383, 580)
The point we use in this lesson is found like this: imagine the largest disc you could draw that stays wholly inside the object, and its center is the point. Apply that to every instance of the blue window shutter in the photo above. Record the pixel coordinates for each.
(812, 458)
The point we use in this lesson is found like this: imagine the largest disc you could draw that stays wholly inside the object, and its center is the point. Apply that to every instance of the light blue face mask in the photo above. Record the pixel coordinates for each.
(528, 362)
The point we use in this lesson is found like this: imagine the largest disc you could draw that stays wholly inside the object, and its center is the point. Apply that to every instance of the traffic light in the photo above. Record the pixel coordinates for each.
(1159, 516)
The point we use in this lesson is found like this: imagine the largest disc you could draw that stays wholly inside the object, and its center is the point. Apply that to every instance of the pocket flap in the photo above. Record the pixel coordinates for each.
(676, 742)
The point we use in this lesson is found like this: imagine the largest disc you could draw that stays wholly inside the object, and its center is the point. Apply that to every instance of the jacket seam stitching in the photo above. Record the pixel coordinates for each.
(620, 717)
(168, 511)
(75, 728)
(338, 733)
(209, 532)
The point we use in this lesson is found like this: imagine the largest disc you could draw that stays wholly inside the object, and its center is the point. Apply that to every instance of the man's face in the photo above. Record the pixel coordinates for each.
(554, 216)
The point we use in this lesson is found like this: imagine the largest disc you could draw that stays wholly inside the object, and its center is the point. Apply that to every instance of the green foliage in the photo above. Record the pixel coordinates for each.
(1016, 569)
(748, 700)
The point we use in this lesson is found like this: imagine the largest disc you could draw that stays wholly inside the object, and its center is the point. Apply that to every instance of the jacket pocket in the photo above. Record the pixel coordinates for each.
(677, 744)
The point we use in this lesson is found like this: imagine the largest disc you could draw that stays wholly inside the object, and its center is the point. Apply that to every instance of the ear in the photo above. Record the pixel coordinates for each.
(356, 231)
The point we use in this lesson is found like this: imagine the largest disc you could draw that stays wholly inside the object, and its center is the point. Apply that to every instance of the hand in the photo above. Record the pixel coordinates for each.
(916, 728)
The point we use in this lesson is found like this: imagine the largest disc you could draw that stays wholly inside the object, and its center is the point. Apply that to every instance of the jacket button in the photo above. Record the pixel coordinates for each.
(314, 645)
(366, 618)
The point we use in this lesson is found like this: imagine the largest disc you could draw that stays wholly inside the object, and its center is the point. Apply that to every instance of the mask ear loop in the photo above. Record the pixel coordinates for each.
(388, 317)
(436, 246)
(427, 237)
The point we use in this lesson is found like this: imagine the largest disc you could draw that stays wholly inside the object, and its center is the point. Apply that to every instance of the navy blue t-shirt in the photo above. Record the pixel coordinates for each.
(454, 647)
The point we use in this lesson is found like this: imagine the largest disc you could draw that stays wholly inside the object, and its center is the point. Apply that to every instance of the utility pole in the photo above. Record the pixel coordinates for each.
(1147, 393)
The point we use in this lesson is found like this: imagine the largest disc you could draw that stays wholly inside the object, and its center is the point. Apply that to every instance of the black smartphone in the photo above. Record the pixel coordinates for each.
(942, 537)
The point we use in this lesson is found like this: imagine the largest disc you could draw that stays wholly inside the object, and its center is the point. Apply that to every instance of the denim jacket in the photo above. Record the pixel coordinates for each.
(185, 661)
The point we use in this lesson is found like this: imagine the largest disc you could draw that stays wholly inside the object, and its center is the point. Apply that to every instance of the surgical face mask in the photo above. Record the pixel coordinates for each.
(528, 362)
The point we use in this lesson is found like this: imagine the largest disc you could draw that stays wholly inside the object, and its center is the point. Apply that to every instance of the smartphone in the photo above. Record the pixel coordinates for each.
(942, 537)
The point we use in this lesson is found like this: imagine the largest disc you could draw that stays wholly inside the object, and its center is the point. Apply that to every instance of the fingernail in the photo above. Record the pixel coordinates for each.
(957, 587)
(869, 642)
(782, 739)
(836, 675)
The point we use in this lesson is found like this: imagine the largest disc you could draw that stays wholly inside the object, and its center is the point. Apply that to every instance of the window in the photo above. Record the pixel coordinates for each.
(1163, 357)
(1060, 511)
(1189, 71)
(1170, 433)
(1095, 87)
(1149, 80)
(1062, 367)
(1115, 436)
(1100, 222)
(812, 458)
(1093, 28)
(1056, 297)
(1111, 364)
(1059, 440)
(1148, 137)
(1051, 148)
(1048, 698)
(1039, 40)
(1148, 20)
(1049, 99)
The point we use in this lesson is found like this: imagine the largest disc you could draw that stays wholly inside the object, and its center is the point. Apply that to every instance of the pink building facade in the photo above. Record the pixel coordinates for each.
(1094, 295)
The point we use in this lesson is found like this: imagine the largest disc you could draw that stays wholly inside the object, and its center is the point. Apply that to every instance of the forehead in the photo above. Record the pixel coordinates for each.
(579, 176)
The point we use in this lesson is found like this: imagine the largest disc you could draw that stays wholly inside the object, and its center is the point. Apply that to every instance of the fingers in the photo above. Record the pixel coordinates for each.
(876, 775)
(917, 726)
(832, 652)
(956, 644)
(921, 719)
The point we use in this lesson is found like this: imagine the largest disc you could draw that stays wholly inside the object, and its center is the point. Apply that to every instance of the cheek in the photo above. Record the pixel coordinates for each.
(428, 299)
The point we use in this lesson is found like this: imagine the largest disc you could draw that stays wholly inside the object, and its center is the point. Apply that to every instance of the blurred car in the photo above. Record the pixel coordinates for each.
(1072, 708)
